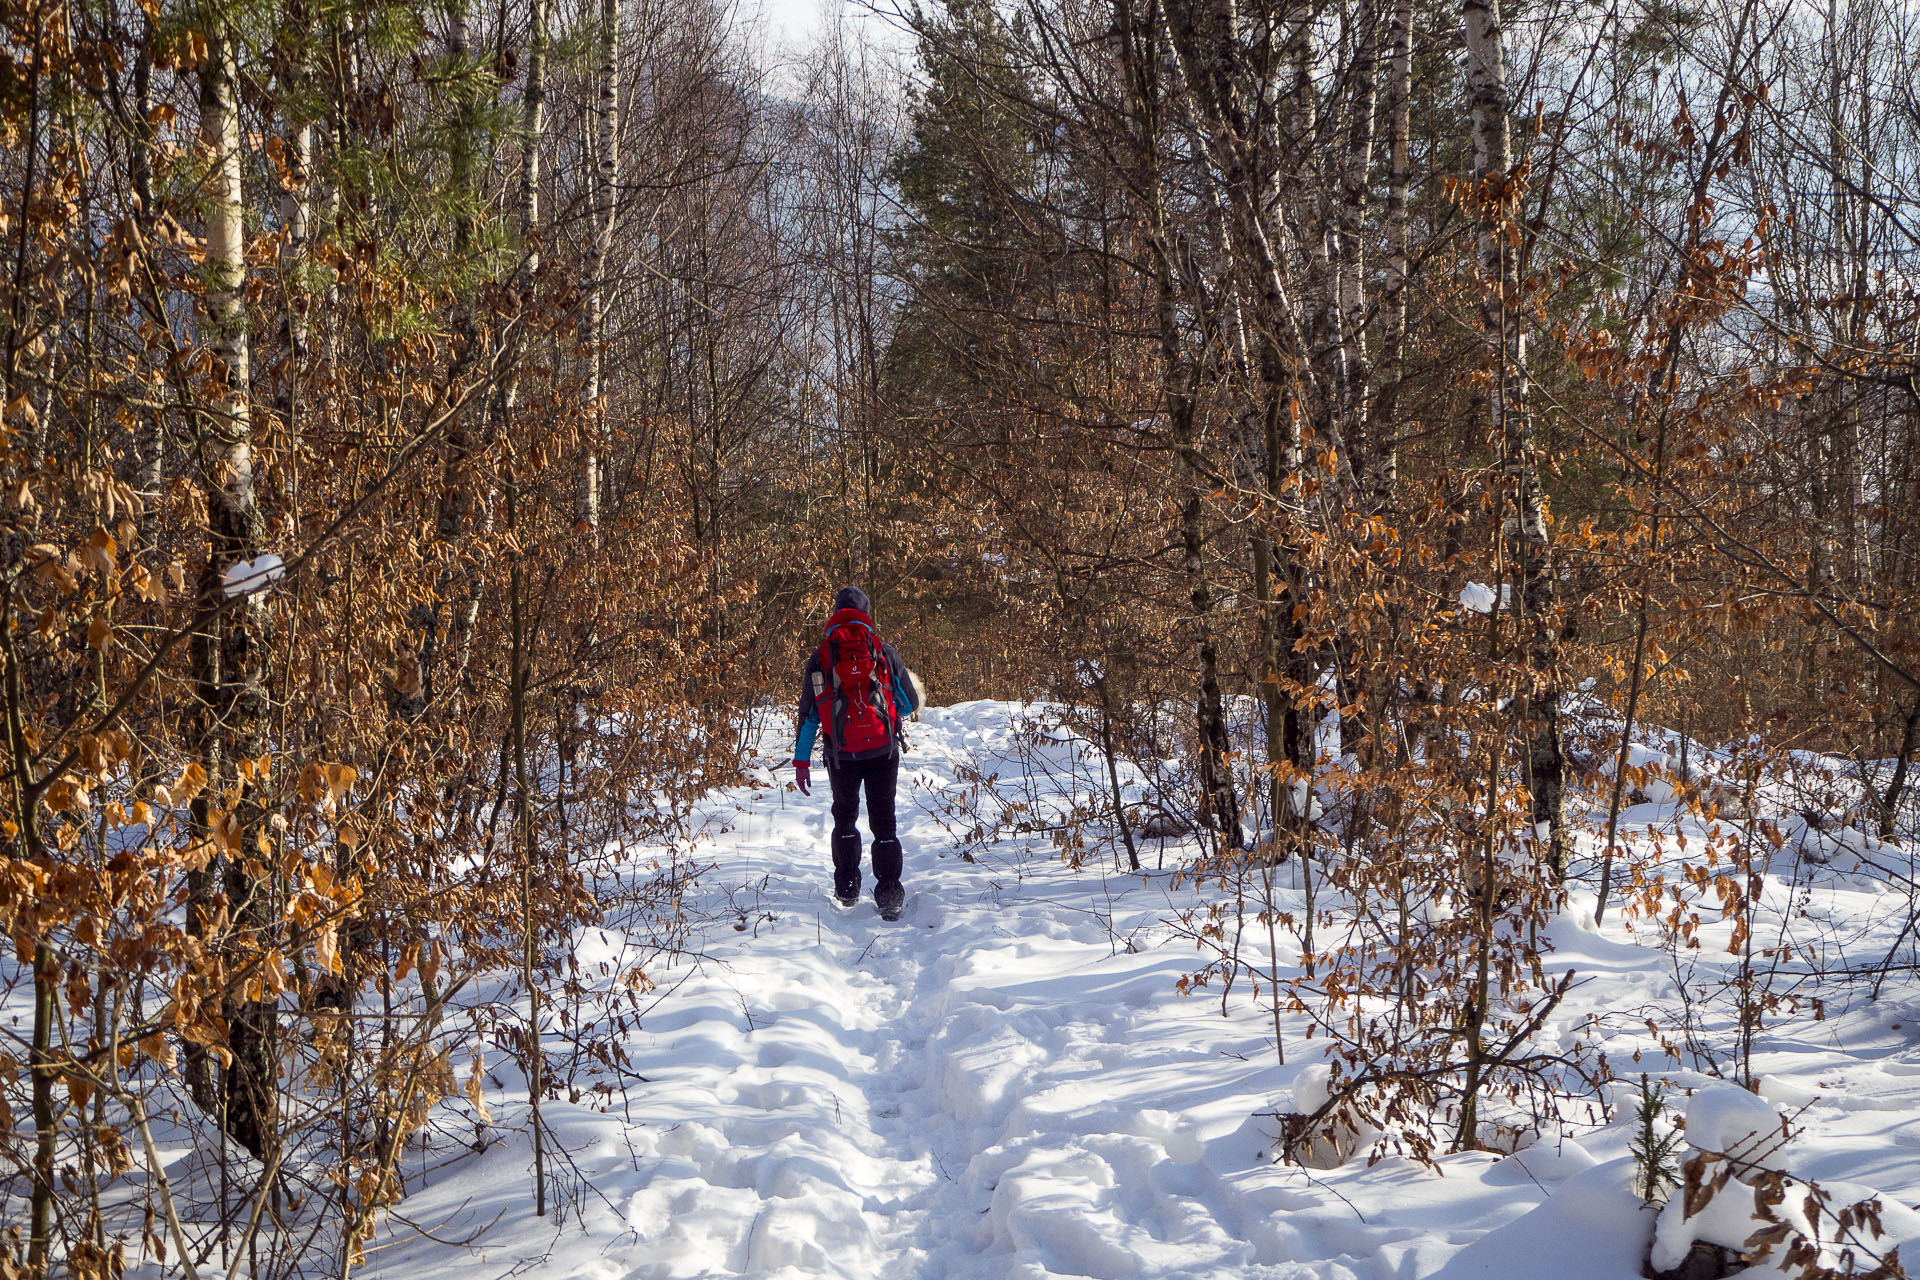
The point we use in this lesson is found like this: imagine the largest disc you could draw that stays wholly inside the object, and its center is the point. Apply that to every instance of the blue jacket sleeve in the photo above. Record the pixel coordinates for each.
(902, 687)
(809, 717)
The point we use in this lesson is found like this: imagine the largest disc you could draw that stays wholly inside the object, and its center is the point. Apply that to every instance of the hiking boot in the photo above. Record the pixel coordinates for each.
(846, 891)
(890, 898)
(846, 867)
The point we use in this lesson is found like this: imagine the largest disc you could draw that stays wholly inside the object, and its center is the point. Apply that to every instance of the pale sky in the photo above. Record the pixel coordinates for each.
(797, 20)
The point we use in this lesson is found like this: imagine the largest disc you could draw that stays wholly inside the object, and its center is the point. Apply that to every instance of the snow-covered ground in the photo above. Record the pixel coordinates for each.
(1006, 1083)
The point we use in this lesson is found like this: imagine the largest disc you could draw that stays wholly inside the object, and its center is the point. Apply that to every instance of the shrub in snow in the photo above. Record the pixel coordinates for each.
(1323, 1131)
(1158, 822)
(1826, 839)
(1723, 800)
(1736, 1194)
(1782, 1226)
(1724, 1119)
(1431, 1007)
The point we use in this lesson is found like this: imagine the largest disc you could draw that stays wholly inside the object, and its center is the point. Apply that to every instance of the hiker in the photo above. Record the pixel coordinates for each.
(858, 688)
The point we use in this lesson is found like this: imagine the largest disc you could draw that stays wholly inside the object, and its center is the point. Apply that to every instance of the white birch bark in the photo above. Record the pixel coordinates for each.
(227, 656)
(1383, 459)
(533, 128)
(296, 216)
(606, 178)
(445, 634)
(227, 446)
(1527, 532)
(1842, 496)
(296, 220)
(1231, 89)
(1353, 372)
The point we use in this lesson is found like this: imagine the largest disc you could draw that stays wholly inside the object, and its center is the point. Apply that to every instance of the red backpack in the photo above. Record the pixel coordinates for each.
(854, 689)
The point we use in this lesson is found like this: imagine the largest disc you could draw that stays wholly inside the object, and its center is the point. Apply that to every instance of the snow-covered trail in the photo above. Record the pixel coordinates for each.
(889, 1099)
(1004, 1085)
(997, 1085)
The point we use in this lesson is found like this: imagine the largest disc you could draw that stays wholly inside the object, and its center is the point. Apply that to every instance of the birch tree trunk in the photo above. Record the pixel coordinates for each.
(533, 118)
(229, 655)
(1353, 374)
(447, 635)
(1383, 457)
(1180, 377)
(1526, 531)
(1349, 374)
(1842, 496)
(533, 129)
(1228, 87)
(606, 177)
(296, 219)
(296, 216)
(153, 445)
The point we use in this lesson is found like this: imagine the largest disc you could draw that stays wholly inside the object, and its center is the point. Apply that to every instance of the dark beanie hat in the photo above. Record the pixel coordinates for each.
(852, 598)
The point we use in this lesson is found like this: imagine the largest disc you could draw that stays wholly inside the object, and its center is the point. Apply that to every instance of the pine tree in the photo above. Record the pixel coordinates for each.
(968, 166)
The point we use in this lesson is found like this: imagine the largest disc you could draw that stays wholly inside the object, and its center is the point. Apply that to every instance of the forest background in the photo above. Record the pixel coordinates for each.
(430, 432)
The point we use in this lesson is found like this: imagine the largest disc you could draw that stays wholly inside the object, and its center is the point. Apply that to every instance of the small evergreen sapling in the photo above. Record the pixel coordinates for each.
(1655, 1146)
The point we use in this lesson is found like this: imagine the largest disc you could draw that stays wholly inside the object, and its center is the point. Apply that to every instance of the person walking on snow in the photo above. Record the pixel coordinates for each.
(856, 687)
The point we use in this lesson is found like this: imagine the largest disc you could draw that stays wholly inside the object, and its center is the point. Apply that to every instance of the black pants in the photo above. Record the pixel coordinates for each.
(879, 777)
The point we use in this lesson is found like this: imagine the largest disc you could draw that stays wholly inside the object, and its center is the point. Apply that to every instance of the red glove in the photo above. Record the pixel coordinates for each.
(803, 776)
